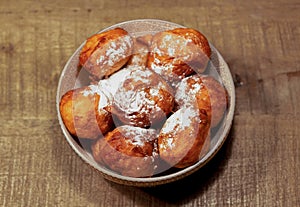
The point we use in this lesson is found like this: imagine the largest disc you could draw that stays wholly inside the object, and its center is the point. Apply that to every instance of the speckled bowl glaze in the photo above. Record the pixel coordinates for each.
(69, 80)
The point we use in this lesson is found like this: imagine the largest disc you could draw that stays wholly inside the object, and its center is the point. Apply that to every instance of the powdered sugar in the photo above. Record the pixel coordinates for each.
(171, 51)
(132, 102)
(170, 142)
(103, 102)
(163, 69)
(179, 120)
(115, 54)
(112, 84)
(171, 45)
(141, 74)
(100, 60)
(136, 99)
(116, 51)
(105, 98)
(89, 91)
(154, 91)
(156, 50)
(175, 48)
(168, 37)
(138, 136)
(186, 93)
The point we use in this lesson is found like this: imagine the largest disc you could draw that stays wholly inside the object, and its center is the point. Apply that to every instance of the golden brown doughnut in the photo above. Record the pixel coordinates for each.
(177, 53)
(183, 136)
(128, 150)
(191, 90)
(105, 53)
(209, 94)
(143, 99)
(84, 112)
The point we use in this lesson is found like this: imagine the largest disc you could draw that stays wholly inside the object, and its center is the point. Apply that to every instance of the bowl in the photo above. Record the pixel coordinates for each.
(69, 80)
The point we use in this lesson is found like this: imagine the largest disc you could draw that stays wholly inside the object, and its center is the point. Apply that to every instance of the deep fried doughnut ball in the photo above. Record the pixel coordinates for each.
(128, 150)
(183, 136)
(177, 53)
(84, 112)
(207, 92)
(143, 99)
(191, 90)
(105, 53)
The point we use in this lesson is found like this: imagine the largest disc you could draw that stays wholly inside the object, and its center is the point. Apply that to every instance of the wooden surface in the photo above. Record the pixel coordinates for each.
(259, 164)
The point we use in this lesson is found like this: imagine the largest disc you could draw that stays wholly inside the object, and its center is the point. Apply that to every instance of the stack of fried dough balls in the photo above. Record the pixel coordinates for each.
(148, 107)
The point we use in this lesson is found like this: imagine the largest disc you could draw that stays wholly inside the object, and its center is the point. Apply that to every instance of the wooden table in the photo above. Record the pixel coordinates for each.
(259, 164)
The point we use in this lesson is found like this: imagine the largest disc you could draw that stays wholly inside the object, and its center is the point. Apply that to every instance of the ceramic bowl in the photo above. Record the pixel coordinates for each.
(69, 80)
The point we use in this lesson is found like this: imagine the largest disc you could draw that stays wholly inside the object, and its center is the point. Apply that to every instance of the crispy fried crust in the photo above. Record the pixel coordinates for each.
(143, 99)
(130, 151)
(209, 94)
(177, 53)
(81, 115)
(105, 53)
(181, 144)
(190, 91)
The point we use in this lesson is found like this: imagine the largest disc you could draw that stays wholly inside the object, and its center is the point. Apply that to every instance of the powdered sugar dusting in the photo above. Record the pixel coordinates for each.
(139, 74)
(100, 60)
(105, 98)
(156, 50)
(103, 102)
(87, 92)
(170, 142)
(163, 69)
(176, 48)
(185, 93)
(168, 37)
(139, 136)
(112, 84)
(171, 51)
(132, 102)
(154, 91)
(136, 99)
(116, 51)
(181, 119)
(171, 45)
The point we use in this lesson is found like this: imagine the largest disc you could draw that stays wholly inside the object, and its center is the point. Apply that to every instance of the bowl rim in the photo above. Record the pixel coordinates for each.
(151, 181)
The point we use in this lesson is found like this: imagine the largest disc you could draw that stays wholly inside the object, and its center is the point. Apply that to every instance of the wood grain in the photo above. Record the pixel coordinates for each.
(259, 163)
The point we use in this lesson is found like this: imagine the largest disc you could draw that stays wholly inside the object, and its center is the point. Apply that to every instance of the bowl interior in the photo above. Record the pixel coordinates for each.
(69, 80)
